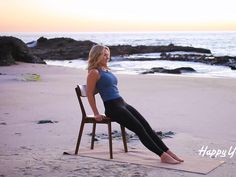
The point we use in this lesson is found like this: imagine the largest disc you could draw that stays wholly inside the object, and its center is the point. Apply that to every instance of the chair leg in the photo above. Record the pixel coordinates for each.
(93, 135)
(124, 138)
(79, 137)
(110, 140)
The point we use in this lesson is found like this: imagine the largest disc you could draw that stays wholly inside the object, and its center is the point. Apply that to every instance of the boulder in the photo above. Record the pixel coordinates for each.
(13, 49)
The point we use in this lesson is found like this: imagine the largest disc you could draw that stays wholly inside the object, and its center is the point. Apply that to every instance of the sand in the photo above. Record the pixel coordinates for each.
(200, 110)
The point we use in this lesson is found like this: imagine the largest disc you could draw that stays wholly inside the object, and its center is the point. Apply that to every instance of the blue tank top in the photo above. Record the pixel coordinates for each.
(107, 86)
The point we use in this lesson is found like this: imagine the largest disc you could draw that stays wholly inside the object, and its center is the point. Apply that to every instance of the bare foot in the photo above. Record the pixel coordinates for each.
(166, 158)
(174, 156)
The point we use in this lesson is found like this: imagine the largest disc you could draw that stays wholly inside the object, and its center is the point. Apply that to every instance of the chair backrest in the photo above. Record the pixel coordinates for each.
(81, 91)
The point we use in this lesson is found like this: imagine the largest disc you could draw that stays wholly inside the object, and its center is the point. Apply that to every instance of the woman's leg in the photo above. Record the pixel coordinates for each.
(148, 128)
(151, 133)
(116, 110)
(123, 116)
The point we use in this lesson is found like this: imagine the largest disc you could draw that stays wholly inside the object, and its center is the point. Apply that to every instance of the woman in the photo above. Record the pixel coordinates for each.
(102, 80)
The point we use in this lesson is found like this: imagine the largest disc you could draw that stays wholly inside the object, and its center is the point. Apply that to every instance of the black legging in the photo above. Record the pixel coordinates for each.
(124, 114)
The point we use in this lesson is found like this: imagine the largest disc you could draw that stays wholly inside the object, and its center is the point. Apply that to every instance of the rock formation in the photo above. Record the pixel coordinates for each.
(13, 49)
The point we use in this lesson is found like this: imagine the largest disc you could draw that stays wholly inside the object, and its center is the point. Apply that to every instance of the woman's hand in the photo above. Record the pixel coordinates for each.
(99, 117)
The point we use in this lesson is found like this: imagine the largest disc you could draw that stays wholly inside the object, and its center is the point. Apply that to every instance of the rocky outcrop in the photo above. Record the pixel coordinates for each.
(128, 49)
(67, 48)
(224, 60)
(233, 67)
(13, 49)
(169, 71)
(207, 59)
(62, 48)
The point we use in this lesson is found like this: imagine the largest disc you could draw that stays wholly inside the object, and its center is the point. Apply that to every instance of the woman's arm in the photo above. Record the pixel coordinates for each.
(92, 78)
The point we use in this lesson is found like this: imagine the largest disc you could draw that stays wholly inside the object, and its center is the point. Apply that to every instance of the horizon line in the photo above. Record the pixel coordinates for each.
(157, 31)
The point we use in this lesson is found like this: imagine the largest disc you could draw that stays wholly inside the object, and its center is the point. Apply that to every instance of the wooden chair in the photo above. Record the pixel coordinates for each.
(81, 92)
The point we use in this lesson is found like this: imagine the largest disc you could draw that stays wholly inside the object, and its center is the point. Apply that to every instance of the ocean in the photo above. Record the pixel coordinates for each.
(220, 44)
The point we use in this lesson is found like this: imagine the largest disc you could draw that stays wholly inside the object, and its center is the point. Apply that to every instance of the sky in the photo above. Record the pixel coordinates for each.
(117, 15)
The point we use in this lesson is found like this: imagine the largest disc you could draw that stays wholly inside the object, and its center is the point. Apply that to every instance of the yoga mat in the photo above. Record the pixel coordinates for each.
(191, 164)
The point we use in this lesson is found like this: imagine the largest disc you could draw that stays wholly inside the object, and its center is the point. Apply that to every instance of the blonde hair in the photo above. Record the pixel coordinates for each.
(94, 58)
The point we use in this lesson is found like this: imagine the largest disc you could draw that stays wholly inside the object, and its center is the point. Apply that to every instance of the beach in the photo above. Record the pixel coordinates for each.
(200, 110)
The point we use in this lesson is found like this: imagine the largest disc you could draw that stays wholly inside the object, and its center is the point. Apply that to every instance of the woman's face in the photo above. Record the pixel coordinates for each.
(105, 57)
